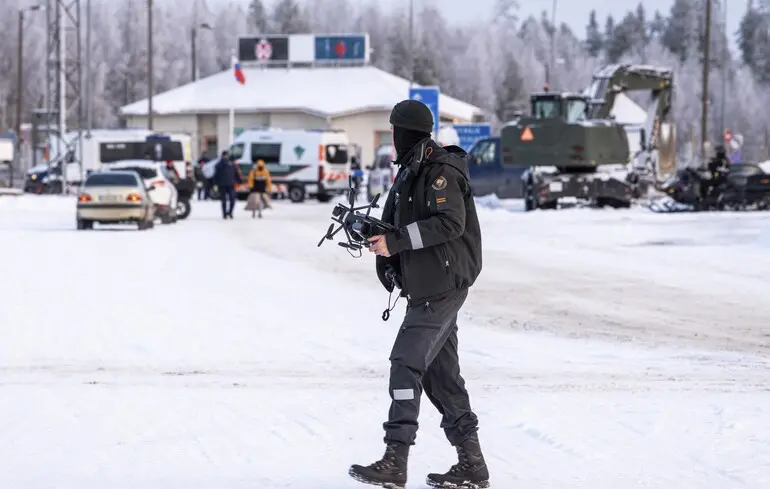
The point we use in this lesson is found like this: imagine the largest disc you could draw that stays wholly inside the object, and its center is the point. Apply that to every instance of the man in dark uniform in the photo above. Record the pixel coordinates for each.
(226, 176)
(718, 168)
(434, 256)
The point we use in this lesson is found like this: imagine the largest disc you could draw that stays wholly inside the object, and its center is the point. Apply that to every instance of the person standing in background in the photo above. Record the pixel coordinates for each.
(226, 176)
(260, 187)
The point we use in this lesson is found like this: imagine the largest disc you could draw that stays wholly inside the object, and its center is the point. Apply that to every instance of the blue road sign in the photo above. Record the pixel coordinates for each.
(428, 96)
(470, 133)
(350, 47)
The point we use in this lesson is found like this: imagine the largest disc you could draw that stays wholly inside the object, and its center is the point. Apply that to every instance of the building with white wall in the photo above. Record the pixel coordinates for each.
(357, 99)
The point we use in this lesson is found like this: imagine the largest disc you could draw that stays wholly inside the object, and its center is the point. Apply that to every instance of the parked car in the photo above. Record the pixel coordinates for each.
(164, 193)
(490, 175)
(114, 197)
(381, 173)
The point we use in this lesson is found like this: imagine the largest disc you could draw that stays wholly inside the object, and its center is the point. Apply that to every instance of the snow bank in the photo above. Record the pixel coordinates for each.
(262, 352)
(764, 238)
(492, 202)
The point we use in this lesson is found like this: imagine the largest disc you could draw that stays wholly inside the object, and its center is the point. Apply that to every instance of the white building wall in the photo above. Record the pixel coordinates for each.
(242, 121)
(297, 120)
(366, 129)
(166, 123)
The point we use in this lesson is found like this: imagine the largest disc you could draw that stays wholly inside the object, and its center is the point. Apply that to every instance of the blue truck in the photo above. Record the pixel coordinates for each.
(488, 173)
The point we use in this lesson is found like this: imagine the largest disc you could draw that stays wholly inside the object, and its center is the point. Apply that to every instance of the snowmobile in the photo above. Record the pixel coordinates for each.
(747, 187)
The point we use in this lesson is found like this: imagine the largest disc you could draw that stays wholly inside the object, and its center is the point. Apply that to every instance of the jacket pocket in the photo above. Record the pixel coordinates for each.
(445, 257)
(427, 272)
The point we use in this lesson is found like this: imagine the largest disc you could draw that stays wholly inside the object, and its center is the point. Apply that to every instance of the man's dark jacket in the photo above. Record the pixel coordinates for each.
(437, 244)
(718, 165)
(226, 174)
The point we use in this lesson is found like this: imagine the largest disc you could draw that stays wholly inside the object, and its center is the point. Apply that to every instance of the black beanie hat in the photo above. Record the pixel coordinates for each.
(413, 115)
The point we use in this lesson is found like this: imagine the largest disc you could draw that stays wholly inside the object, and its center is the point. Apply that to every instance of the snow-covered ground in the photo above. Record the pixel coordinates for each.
(602, 349)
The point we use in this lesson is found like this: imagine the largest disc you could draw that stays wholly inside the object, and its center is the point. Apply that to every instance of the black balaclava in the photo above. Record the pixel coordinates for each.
(412, 122)
(406, 139)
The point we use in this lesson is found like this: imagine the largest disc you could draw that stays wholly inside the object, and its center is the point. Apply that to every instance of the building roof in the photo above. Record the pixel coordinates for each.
(326, 92)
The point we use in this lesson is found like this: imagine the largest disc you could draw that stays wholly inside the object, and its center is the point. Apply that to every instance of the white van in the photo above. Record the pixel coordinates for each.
(302, 163)
(147, 145)
(104, 146)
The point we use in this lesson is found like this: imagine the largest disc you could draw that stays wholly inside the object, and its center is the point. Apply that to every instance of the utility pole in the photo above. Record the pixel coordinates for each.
(89, 104)
(411, 43)
(193, 35)
(20, 86)
(64, 164)
(64, 100)
(194, 47)
(150, 71)
(550, 66)
(724, 68)
(705, 89)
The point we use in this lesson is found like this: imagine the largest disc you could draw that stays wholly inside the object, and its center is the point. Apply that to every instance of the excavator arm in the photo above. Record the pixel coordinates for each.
(659, 82)
(614, 79)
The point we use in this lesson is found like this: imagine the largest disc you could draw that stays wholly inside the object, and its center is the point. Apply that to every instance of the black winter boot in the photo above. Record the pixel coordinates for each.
(470, 472)
(389, 472)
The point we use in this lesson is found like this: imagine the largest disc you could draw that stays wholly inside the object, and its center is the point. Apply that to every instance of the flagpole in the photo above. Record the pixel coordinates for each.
(231, 114)
(232, 126)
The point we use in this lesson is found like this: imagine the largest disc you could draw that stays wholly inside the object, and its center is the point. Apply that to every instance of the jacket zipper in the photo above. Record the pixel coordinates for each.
(446, 258)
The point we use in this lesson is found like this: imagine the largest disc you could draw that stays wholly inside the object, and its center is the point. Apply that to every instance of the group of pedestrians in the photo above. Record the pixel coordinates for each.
(225, 175)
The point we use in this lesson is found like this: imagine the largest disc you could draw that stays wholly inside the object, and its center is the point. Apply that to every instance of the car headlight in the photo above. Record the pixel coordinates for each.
(45, 179)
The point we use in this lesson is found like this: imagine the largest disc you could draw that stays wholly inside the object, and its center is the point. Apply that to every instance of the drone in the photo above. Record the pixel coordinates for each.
(358, 227)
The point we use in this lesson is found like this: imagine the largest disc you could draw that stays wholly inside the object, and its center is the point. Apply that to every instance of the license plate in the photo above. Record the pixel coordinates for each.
(555, 187)
(108, 198)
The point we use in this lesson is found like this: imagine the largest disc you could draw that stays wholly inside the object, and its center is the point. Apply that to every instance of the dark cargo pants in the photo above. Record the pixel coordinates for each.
(424, 357)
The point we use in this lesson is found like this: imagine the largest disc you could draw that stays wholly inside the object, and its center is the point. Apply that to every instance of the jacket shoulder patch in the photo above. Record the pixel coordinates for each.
(439, 184)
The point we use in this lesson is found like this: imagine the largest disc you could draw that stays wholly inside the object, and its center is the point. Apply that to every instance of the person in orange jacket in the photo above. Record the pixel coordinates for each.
(260, 187)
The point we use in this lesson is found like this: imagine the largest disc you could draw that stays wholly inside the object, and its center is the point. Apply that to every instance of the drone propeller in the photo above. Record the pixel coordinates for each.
(329, 234)
(352, 194)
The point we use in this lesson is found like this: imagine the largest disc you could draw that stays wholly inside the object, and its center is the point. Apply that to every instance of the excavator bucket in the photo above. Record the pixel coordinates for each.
(666, 166)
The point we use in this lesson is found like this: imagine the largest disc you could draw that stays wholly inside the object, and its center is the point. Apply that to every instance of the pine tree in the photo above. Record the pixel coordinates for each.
(678, 35)
(624, 39)
(749, 27)
(642, 28)
(594, 40)
(510, 89)
(257, 16)
(288, 18)
(657, 25)
(609, 35)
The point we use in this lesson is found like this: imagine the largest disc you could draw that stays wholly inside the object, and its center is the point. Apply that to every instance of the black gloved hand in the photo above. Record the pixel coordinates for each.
(393, 276)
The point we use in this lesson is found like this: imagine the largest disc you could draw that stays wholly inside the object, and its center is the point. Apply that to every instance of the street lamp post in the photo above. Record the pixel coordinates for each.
(20, 83)
(193, 39)
(150, 66)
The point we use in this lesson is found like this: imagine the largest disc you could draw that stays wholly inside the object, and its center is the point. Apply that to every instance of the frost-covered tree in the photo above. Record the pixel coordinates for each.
(657, 26)
(609, 38)
(289, 18)
(748, 31)
(679, 36)
(257, 20)
(594, 39)
(494, 63)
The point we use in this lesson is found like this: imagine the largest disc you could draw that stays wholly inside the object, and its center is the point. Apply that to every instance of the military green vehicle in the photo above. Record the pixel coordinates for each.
(575, 149)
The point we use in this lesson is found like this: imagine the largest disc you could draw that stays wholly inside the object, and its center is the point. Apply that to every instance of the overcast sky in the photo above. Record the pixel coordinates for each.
(573, 12)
